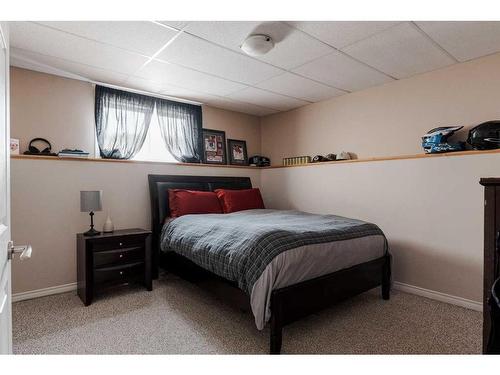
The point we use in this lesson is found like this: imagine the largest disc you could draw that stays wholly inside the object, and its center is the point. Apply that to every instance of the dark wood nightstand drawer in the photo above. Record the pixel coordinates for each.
(118, 243)
(119, 256)
(118, 274)
(107, 259)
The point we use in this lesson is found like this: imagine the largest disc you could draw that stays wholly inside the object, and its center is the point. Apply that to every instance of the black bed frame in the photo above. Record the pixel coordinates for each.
(288, 304)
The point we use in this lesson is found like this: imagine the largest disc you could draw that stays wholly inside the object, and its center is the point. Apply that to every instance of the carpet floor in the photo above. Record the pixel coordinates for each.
(178, 317)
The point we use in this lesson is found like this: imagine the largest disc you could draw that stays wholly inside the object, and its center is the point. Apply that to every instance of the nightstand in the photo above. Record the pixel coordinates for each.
(107, 259)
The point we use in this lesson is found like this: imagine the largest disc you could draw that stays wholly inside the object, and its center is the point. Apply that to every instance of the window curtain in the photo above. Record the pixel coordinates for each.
(122, 121)
(181, 129)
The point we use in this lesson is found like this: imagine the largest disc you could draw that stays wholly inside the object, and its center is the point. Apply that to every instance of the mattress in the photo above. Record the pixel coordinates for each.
(263, 250)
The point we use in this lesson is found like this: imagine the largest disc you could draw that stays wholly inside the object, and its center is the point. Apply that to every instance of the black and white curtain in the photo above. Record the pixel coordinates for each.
(181, 129)
(122, 122)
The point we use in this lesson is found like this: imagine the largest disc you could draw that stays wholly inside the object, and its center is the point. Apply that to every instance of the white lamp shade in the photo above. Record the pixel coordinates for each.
(90, 201)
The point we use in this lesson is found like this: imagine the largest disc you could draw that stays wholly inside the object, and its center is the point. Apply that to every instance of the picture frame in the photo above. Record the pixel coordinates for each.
(214, 147)
(237, 151)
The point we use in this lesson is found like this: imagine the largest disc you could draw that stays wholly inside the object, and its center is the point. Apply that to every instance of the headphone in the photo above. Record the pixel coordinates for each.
(34, 150)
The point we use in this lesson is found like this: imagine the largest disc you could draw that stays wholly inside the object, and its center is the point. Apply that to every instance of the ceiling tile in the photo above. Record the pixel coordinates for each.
(465, 40)
(175, 24)
(169, 74)
(299, 87)
(193, 52)
(400, 51)
(180, 92)
(143, 84)
(38, 62)
(292, 47)
(267, 99)
(143, 37)
(229, 34)
(43, 40)
(342, 33)
(341, 71)
(237, 106)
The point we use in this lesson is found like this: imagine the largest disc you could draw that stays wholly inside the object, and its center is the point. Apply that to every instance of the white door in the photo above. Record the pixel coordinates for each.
(5, 289)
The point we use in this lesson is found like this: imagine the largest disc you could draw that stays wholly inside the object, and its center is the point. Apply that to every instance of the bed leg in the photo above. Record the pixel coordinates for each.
(386, 278)
(276, 336)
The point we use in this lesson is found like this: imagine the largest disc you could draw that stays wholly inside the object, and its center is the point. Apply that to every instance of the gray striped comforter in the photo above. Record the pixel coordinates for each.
(239, 246)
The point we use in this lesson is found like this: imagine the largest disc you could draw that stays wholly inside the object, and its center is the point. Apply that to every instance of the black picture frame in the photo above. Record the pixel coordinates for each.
(214, 147)
(237, 151)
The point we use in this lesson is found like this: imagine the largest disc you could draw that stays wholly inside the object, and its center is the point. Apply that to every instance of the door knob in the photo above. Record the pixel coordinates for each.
(24, 251)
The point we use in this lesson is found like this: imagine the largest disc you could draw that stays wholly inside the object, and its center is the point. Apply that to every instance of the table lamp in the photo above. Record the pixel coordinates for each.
(91, 201)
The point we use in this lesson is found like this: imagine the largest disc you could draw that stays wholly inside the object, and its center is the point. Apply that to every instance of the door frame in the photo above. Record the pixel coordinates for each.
(4, 35)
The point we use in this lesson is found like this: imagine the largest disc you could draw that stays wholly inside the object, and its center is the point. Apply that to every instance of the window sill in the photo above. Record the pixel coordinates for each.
(99, 160)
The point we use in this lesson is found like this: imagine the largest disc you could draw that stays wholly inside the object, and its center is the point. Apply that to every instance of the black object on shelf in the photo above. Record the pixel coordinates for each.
(33, 150)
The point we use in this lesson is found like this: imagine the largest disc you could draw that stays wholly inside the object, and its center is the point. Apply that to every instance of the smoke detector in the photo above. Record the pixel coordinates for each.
(257, 45)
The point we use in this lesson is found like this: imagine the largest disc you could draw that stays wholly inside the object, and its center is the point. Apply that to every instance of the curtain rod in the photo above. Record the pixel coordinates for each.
(187, 101)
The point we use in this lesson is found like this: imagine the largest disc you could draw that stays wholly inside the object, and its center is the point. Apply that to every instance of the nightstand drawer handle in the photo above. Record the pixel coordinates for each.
(121, 255)
(121, 272)
(121, 243)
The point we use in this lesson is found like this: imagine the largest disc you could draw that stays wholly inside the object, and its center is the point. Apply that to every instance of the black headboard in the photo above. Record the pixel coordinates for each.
(158, 192)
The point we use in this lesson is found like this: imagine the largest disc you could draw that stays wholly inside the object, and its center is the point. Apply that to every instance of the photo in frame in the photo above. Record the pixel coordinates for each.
(237, 151)
(214, 146)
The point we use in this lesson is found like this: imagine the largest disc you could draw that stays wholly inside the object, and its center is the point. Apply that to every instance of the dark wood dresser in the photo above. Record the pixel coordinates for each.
(491, 247)
(112, 258)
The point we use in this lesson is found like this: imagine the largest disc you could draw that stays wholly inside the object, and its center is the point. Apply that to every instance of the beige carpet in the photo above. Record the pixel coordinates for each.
(178, 317)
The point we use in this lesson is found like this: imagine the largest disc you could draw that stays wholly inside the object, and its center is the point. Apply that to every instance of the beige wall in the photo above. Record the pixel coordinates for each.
(51, 107)
(390, 119)
(431, 211)
(236, 125)
(46, 213)
(62, 111)
(45, 194)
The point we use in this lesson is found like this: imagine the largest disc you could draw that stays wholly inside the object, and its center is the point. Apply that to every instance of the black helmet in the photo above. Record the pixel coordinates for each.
(485, 136)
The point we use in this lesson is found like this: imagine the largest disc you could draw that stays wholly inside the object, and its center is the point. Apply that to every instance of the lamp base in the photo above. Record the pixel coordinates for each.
(91, 232)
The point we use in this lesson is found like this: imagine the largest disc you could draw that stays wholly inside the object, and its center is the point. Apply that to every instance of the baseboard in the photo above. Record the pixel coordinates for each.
(438, 296)
(16, 297)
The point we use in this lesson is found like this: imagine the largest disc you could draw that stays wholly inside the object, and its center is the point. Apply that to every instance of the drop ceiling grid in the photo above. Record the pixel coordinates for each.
(285, 70)
(284, 95)
(125, 77)
(282, 83)
(401, 51)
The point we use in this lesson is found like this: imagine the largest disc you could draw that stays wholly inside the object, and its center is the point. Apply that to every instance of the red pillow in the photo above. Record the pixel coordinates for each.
(239, 200)
(185, 202)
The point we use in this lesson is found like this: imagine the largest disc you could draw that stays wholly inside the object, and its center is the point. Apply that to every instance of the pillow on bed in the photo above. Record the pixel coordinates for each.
(239, 200)
(185, 202)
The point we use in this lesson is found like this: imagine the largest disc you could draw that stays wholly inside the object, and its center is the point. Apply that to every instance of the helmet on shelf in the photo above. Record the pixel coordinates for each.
(436, 140)
(485, 136)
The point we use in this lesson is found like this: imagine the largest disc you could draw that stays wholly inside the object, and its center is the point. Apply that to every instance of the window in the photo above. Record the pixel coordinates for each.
(130, 125)
(154, 148)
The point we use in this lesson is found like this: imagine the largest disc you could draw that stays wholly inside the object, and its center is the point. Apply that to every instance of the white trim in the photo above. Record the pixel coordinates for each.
(43, 292)
(438, 296)
(427, 293)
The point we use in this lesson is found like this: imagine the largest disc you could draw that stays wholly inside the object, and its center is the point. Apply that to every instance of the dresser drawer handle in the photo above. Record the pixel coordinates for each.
(121, 255)
(121, 243)
(121, 272)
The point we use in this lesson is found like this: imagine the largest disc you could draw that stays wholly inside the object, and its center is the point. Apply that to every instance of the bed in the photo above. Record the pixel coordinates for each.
(283, 264)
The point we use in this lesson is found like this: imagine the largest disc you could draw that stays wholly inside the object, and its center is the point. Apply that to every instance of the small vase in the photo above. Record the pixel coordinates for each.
(108, 225)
